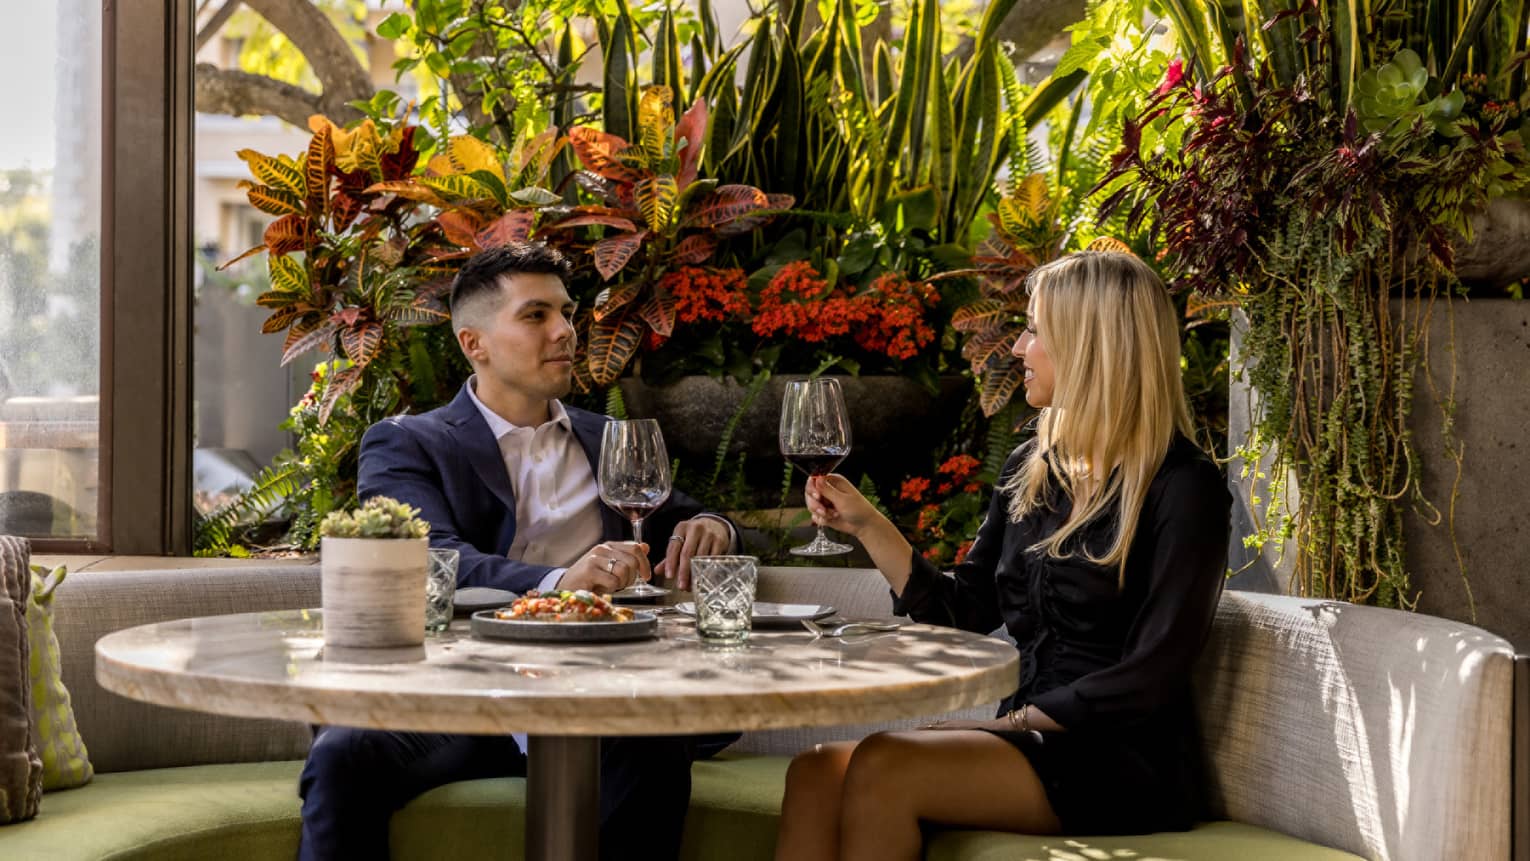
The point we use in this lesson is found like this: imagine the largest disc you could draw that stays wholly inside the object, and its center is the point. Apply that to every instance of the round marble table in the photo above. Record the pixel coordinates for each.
(565, 697)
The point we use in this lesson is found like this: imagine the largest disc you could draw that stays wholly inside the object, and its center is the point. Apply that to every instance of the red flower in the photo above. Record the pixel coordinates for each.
(1175, 75)
(887, 318)
(960, 466)
(913, 489)
(712, 295)
(962, 551)
(652, 341)
(928, 517)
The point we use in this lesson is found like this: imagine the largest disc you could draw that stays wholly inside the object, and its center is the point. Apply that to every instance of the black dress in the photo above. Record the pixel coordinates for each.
(1111, 665)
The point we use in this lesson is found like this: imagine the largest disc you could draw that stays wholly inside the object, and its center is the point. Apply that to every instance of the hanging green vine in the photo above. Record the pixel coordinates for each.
(1333, 232)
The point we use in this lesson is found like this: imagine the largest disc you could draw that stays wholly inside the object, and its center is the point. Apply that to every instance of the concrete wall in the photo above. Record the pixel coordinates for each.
(1489, 342)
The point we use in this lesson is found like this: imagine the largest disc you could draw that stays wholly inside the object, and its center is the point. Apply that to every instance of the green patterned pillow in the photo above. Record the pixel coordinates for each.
(65, 763)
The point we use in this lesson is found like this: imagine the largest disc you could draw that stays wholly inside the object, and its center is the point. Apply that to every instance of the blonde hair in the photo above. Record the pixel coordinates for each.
(1107, 324)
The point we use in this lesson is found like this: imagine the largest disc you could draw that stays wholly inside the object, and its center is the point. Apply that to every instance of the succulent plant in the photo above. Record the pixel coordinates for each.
(380, 517)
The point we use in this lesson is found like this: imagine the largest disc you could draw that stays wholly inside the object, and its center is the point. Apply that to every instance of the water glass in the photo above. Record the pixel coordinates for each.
(440, 588)
(724, 588)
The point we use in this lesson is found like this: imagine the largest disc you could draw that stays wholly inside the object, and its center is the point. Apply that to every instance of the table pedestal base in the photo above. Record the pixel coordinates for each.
(562, 798)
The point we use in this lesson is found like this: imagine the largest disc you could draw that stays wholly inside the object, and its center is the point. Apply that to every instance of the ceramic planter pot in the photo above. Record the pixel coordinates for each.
(373, 591)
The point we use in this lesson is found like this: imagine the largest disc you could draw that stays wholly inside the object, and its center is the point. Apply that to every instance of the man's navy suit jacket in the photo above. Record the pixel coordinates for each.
(447, 464)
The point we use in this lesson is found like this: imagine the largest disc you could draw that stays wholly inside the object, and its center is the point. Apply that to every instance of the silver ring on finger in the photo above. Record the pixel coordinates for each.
(677, 538)
(611, 565)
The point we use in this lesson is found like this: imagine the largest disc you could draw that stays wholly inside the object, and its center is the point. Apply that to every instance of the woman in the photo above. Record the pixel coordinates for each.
(1103, 554)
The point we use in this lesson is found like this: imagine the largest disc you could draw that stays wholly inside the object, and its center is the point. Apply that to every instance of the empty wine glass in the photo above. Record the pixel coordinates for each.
(634, 480)
(815, 437)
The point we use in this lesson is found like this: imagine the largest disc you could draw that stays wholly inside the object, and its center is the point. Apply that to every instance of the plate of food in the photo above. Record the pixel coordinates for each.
(565, 617)
(768, 613)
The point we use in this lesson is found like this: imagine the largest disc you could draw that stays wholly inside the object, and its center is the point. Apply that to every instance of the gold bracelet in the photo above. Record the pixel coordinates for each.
(1024, 724)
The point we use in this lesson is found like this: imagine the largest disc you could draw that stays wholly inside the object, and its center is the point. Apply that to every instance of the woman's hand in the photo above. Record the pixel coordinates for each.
(834, 502)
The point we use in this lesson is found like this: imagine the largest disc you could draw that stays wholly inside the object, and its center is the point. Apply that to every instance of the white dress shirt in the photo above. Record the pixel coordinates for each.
(557, 502)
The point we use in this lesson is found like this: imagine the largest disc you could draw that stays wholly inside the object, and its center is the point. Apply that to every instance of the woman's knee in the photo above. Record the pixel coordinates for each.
(818, 770)
(876, 763)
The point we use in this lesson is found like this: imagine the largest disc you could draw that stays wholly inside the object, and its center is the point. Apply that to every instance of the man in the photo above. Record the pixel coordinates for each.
(505, 475)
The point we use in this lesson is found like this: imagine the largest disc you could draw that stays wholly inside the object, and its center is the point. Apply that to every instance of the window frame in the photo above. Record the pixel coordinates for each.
(144, 499)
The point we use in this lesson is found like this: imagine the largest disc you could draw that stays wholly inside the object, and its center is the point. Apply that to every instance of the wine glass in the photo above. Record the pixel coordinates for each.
(815, 437)
(634, 480)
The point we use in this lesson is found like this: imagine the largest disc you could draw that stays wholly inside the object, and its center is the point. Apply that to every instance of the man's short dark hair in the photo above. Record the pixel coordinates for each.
(480, 276)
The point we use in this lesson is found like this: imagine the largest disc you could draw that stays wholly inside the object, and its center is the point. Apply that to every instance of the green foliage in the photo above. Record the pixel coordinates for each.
(1324, 173)
(732, 166)
(218, 530)
(380, 517)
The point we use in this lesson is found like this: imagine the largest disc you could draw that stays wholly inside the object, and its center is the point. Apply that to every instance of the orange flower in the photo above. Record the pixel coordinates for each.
(961, 552)
(960, 466)
(913, 489)
(713, 295)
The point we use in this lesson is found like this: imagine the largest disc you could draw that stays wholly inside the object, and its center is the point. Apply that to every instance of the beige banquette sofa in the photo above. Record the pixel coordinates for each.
(1329, 731)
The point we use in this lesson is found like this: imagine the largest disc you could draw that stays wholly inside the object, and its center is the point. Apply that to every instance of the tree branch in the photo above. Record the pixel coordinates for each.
(303, 22)
(1031, 24)
(216, 22)
(221, 91)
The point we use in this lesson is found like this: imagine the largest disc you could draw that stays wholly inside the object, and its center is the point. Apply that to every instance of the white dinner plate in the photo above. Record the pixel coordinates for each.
(471, 599)
(771, 613)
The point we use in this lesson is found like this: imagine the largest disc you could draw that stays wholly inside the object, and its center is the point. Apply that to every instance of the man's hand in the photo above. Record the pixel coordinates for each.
(608, 567)
(699, 536)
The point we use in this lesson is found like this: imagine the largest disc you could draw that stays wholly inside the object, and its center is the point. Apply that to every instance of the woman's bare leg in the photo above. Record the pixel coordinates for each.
(960, 778)
(809, 829)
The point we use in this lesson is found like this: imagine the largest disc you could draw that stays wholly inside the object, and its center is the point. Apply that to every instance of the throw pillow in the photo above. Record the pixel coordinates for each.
(20, 769)
(64, 761)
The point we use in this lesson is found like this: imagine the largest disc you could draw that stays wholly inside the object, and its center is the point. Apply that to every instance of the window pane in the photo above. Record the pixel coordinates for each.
(50, 284)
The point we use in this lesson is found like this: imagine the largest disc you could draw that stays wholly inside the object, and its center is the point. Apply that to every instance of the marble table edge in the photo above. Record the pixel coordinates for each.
(477, 713)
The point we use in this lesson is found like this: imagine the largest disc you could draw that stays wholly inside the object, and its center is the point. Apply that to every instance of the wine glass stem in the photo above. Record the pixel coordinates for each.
(822, 538)
(637, 531)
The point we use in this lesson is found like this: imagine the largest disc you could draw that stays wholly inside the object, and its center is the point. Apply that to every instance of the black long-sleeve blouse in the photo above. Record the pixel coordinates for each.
(1095, 656)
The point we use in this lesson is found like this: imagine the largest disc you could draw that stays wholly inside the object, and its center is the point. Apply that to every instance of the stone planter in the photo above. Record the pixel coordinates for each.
(1490, 339)
(892, 416)
(373, 592)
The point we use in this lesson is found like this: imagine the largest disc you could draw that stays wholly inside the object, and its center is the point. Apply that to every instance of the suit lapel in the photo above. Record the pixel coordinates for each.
(480, 448)
(588, 429)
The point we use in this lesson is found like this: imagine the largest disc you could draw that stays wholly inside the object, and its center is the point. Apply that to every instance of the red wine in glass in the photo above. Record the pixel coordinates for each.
(818, 463)
(815, 437)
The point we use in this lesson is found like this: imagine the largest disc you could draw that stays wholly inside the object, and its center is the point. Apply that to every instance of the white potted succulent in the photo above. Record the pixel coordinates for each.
(373, 562)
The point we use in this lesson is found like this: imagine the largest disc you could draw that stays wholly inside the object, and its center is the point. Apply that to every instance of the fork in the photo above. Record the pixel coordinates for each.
(844, 628)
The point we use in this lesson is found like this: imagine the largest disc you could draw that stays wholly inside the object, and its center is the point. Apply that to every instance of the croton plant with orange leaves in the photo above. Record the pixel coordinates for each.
(654, 215)
(381, 240)
(353, 285)
(1026, 234)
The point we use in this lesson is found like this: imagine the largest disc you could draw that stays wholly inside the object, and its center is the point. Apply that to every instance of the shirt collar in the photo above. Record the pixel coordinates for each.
(500, 427)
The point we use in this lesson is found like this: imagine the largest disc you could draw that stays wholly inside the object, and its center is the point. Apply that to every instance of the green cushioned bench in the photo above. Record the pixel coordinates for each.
(1377, 733)
(249, 811)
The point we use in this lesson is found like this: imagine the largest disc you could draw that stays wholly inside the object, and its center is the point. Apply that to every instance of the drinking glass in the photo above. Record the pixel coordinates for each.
(634, 480)
(724, 597)
(815, 437)
(440, 588)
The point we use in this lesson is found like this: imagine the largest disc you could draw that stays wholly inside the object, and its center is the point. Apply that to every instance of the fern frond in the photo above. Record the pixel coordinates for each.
(616, 405)
(756, 386)
(272, 486)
